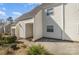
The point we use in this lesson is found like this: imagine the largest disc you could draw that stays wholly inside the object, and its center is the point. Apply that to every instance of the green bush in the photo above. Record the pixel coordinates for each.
(0, 36)
(6, 33)
(12, 39)
(7, 40)
(14, 46)
(37, 50)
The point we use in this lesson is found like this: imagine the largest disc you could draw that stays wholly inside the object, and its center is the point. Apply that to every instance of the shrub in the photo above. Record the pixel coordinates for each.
(14, 47)
(7, 40)
(37, 50)
(13, 38)
(6, 33)
(0, 36)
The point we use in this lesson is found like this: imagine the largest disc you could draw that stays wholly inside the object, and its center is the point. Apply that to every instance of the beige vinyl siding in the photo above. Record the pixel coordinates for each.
(21, 28)
(56, 20)
(72, 21)
(29, 30)
(37, 28)
(17, 30)
(13, 32)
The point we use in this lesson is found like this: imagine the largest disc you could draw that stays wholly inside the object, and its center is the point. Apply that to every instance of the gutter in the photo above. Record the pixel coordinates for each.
(63, 30)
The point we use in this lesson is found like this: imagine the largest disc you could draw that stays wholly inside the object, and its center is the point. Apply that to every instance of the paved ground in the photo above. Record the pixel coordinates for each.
(57, 47)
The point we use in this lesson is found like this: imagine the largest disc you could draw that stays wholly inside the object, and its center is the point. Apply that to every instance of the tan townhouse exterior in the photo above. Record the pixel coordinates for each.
(50, 20)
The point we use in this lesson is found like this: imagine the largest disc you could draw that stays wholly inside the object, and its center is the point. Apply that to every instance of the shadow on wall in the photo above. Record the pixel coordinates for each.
(63, 34)
(58, 31)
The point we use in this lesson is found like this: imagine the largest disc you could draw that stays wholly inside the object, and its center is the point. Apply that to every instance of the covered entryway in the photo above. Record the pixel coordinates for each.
(13, 31)
(29, 30)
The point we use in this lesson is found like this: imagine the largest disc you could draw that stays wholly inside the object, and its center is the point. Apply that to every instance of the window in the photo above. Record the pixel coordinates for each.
(50, 28)
(49, 11)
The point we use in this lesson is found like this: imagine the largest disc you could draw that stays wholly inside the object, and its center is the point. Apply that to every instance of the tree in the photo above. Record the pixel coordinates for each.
(10, 19)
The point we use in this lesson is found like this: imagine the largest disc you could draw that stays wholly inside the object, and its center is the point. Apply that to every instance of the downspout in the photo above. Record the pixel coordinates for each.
(63, 30)
(42, 22)
(33, 29)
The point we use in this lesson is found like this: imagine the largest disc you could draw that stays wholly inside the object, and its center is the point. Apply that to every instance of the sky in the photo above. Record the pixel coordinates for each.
(15, 9)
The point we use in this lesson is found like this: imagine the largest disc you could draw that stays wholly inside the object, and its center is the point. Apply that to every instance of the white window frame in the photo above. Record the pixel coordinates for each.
(49, 11)
(50, 28)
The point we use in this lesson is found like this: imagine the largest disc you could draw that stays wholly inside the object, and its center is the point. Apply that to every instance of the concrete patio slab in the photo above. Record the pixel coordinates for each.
(57, 48)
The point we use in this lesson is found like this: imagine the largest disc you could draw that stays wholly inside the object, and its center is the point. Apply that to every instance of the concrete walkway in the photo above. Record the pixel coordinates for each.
(58, 48)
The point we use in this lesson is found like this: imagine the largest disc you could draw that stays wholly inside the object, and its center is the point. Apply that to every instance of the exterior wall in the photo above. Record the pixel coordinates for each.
(29, 30)
(13, 31)
(55, 19)
(8, 29)
(21, 28)
(37, 27)
(17, 30)
(72, 21)
(65, 20)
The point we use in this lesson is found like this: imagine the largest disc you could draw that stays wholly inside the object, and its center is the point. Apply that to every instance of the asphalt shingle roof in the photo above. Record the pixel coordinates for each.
(32, 13)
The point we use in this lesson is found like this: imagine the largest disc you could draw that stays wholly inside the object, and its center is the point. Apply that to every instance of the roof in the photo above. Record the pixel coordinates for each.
(29, 14)
(32, 13)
